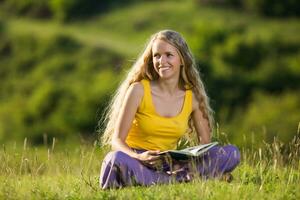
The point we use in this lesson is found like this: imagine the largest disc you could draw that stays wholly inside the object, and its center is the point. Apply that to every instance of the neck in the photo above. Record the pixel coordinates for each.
(170, 86)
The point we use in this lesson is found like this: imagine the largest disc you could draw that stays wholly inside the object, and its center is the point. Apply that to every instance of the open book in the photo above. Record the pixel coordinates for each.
(187, 153)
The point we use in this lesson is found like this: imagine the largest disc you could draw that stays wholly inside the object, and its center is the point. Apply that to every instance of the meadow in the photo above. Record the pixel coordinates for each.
(68, 171)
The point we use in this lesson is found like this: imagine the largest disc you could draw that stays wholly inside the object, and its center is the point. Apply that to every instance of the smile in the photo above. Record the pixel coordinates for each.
(164, 68)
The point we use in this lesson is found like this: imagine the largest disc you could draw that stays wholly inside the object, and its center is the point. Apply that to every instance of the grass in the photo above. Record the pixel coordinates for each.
(85, 35)
(71, 172)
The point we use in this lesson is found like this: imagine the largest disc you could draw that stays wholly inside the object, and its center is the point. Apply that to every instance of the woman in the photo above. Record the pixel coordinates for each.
(161, 100)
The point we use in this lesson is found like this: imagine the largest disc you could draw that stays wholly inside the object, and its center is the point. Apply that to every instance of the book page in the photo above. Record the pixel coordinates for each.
(190, 151)
(195, 149)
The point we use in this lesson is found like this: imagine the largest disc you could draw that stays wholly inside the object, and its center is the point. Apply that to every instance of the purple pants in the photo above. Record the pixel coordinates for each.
(120, 170)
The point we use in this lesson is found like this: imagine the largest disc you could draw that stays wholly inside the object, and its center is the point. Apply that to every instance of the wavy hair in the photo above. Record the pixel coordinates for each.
(143, 69)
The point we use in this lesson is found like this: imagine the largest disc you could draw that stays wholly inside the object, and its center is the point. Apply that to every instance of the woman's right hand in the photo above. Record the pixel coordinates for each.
(150, 158)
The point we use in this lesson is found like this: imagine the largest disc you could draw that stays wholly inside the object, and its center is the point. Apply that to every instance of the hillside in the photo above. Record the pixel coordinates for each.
(57, 77)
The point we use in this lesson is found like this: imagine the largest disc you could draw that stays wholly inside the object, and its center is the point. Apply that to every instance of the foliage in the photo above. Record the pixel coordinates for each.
(276, 8)
(236, 65)
(269, 114)
(60, 9)
(271, 8)
(52, 86)
(56, 77)
(26, 7)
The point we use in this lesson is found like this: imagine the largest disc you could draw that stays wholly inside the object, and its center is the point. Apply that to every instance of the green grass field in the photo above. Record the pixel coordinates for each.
(71, 172)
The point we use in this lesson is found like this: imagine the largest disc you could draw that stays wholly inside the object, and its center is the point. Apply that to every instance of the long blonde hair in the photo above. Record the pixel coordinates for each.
(143, 69)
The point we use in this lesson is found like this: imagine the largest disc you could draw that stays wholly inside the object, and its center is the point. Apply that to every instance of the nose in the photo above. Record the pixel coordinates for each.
(162, 60)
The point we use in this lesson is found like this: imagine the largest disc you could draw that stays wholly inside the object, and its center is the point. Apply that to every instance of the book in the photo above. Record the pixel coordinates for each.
(190, 152)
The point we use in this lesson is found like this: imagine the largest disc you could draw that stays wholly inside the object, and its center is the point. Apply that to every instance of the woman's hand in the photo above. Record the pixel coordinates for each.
(150, 159)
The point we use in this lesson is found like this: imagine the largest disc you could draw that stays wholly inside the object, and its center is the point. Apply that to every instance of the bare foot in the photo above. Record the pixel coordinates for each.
(227, 177)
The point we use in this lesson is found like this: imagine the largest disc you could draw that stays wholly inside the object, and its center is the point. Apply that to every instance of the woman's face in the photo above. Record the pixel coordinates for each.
(166, 59)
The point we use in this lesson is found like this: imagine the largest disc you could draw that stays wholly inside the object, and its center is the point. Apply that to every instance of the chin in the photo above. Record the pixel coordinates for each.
(165, 77)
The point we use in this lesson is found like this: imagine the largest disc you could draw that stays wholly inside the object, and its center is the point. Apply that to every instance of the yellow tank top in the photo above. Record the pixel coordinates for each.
(151, 131)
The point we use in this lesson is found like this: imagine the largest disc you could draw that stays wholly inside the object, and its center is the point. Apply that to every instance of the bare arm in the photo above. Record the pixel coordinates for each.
(201, 124)
(129, 108)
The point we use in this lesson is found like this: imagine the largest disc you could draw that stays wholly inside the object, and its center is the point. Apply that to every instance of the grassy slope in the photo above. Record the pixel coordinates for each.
(87, 36)
(126, 30)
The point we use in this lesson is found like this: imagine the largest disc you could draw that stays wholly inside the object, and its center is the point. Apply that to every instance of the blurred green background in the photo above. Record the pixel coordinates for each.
(61, 60)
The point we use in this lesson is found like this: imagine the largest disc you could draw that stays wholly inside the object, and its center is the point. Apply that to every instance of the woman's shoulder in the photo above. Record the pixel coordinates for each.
(134, 94)
(136, 89)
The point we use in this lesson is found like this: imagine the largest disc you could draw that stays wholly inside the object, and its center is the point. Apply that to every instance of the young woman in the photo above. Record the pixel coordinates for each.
(161, 100)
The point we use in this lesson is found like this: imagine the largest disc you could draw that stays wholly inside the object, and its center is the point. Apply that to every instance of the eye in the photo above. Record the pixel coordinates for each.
(156, 55)
(169, 55)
